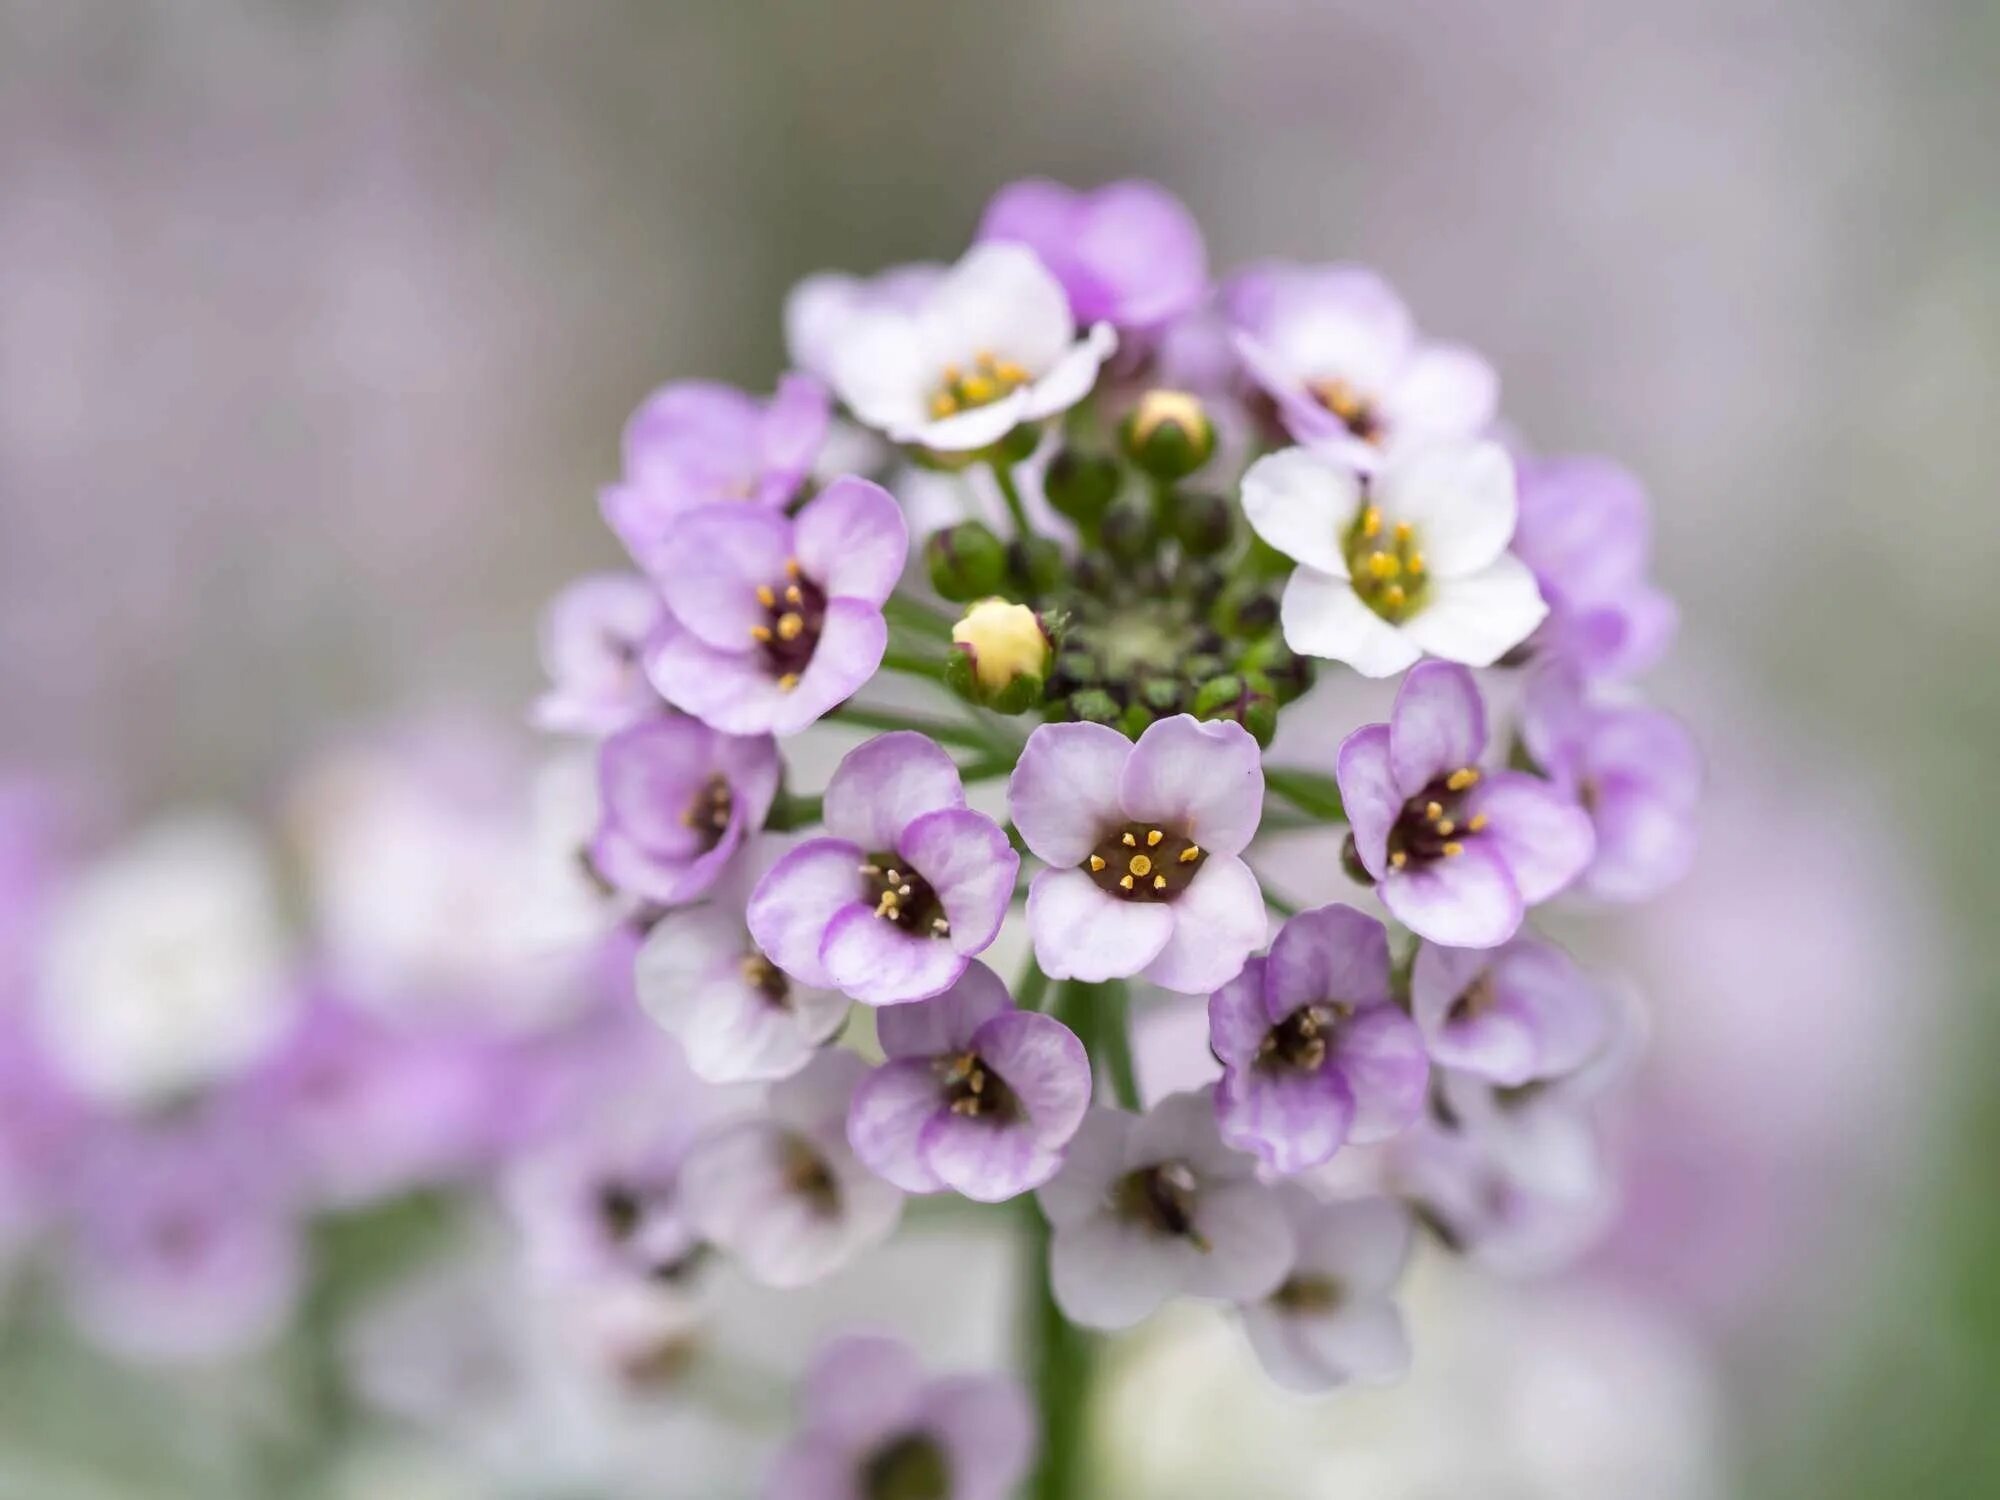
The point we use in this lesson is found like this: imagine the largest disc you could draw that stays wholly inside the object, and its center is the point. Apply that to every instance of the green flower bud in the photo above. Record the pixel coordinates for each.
(1168, 434)
(1161, 694)
(1127, 530)
(1080, 485)
(966, 562)
(1035, 563)
(1244, 612)
(1019, 444)
(1000, 656)
(1245, 698)
(1133, 722)
(1093, 706)
(1204, 524)
(1290, 674)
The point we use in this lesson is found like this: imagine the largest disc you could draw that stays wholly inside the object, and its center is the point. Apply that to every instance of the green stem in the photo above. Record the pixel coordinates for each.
(1003, 475)
(1097, 1014)
(1308, 791)
(912, 663)
(790, 812)
(1032, 988)
(917, 617)
(1060, 1363)
(1284, 906)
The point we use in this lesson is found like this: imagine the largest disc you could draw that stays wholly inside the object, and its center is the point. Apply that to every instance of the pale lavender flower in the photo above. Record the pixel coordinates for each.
(594, 636)
(1315, 1052)
(677, 799)
(1143, 843)
(1510, 1014)
(703, 978)
(976, 1096)
(1457, 853)
(699, 443)
(182, 1244)
(1128, 254)
(775, 620)
(1336, 349)
(907, 885)
(992, 344)
(820, 308)
(1404, 562)
(873, 1427)
(1156, 1206)
(1331, 1321)
(1635, 770)
(784, 1192)
(1586, 530)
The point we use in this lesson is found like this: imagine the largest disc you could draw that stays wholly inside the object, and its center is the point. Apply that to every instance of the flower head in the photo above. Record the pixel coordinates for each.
(907, 885)
(703, 978)
(1336, 349)
(783, 1192)
(1457, 853)
(1143, 843)
(1406, 561)
(1128, 254)
(873, 1428)
(1315, 1053)
(594, 638)
(1511, 1014)
(992, 344)
(1331, 1320)
(1002, 655)
(976, 1096)
(773, 621)
(699, 443)
(677, 801)
(1156, 1206)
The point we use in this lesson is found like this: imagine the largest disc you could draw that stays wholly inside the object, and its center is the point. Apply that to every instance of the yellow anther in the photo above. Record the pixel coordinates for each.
(1190, 854)
(1140, 865)
(790, 625)
(1383, 564)
(985, 360)
(1476, 822)
(943, 404)
(1462, 778)
(978, 388)
(787, 682)
(1433, 810)
(1371, 521)
(1125, 881)
(1011, 373)
(766, 595)
(1398, 859)
(760, 633)
(940, 925)
(1453, 849)
(1404, 531)
(793, 595)
(1153, 839)
(791, 567)
(1130, 842)
(1096, 862)
(1445, 827)
(952, 374)
(1159, 882)
(1393, 596)
(1416, 563)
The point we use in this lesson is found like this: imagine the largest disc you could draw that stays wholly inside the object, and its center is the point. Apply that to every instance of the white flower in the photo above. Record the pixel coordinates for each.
(165, 966)
(990, 345)
(1409, 561)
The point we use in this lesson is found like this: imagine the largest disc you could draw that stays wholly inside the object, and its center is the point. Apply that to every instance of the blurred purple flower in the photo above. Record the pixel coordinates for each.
(1457, 854)
(819, 309)
(1315, 1052)
(594, 636)
(873, 1428)
(1143, 843)
(775, 620)
(975, 1096)
(1510, 1014)
(1128, 254)
(1154, 1206)
(784, 1192)
(678, 799)
(907, 885)
(1331, 1321)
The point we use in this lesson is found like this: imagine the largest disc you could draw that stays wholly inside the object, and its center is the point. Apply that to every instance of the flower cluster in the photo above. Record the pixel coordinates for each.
(1115, 516)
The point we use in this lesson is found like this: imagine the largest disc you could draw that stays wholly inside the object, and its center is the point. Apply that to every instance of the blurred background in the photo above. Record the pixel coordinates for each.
(318, 322)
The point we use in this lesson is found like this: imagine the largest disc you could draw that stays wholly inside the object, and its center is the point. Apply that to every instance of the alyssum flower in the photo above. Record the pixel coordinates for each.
(1510, 1014)
(1331, 1320)
(594, 637)
(908, 884)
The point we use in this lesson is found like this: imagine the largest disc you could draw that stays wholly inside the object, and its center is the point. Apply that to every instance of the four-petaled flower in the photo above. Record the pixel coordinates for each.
(907, 885)
(1142, 841)
(1331, 1320)
(1408, 561)
(1511, 1014)
(773, 621)
(1315, 1052)
(594, 636)
(976, 1096)
(1458, 854)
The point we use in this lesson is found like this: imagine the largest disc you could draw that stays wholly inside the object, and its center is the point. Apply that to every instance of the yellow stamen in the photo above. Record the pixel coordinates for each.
(789, 626)
(943, 404)
(1404, 531)
(1011, 373)
(791, 567)
(1096, 862)
(1416, 563)
(760, 633)
(1433, 810)
(1130, 842)
(1393, 596)
(1459, 780)
(1371, 521)
(1453, 849)
(1190, 854)
(787, 682)
(766, 595)
(1125, 881)
(1445, 827)
(1398, 860)
(1159, 882)
(1383, 564)
(1476, 822)
(979, 388)
(1153, 839)
(792, 594)
(1140, 864)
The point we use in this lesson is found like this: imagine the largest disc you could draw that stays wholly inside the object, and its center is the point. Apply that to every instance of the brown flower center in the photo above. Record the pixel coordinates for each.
(903, 897)
(794, 616)
(1432, 825)
(1347, 402)
(1140, 862)
(1162, 1197)
(707, 812)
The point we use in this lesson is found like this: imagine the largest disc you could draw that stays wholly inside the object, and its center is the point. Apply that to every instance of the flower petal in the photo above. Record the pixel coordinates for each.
(1288, 1118)
(1329, 953)
(1097, 1158)
(1303, 503)
(1477, 618)
(1219, 919)
(861, 1389)
(1369, 794)
(1238, 1022)
(970, 865)
(1107, 1273)
(727, 690)
(1323, 616)
(1250, 1241)
(1445, 391)
(1381, 1054)
(1438, 725)
(1470, 901)
(1045, 1068)
(886, 1120)
(1460, 499)
(797, 900)
(851, 642)
(881, 787)
(987, 1428)
(1081, 932)
(719, 556)
(944, 1023)
(1063, 794)
(1545, 837)
(1203, 780)
(1070, 378)
(878, 963)
(851, 539)
(985, 1159)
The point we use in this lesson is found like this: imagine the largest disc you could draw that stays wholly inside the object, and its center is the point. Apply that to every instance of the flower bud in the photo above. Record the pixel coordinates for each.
(1204, 524)
(1290, 674)
(966, 561)
(1244, 612)
(1350, 862)
(1135, 721)
(1168, 434)
(1093, 706)
(1245, 698)
(1000, 656)
(1081, 485)
(1127, 530)
(1035, 563)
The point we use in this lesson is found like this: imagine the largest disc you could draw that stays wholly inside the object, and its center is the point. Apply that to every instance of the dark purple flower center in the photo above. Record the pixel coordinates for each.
(911, 1467)
(1432, 824)
(708, 810)
(902, 897)
(768, 980)
(1386, 566)
(808, 1175)
(1474, 1001)
(1139, 862)
(975, 1090)
(1351, 405)
(794, 616)
(1308, 1293)
(623, 1208)
(660, 1365)
(1162, 1197)
(1300, 1041)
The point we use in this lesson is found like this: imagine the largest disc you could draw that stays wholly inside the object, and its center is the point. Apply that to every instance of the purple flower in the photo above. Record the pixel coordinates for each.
(1331, 1320)
(820, 309)
(677, 799)
(698, 443)
(873, 1428)
(990, 345)
(774, 620)
(1314, 1051)
(976, 1096)
(1336, 349)
(1635, 770)
(1458, 854)
(1154, 1206)
(1143, 843)
(1586, 530)
(1510, 1014)
(1128, 254)
(784, 1192)
(703, 978)
(594, 638)
(908, 884)
(1402, 562)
